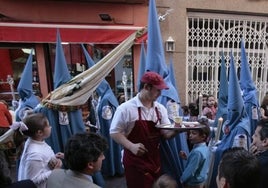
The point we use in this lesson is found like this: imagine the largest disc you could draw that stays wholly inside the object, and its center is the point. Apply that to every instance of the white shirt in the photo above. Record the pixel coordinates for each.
(34, 162)
(127, 113)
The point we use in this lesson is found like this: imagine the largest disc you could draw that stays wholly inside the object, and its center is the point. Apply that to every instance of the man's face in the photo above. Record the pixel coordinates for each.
(221, 182)
(98, 163)
(257, 139)
(154, 93)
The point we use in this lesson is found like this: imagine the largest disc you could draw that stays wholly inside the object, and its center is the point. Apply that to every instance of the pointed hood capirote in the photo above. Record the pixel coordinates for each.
(223, 93)
(237, 124)
(235, 105)
(155, 59)
(61, 130)
(25, 87)
(249, 91)
(25, 90)
(246, 82)
(173, 91)
(61, 72)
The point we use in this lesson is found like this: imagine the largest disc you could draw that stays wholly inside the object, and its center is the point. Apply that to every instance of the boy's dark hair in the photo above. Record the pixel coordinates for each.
(205, 129)
(185, 109)
(240, 168)
(193, 109)
(83, 148)
(34, 122)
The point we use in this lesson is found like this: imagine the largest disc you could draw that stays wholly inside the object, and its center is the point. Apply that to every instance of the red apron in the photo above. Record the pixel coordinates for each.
(142, 171)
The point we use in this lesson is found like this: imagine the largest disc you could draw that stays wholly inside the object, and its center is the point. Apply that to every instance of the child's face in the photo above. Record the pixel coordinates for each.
(195, 137)
(47, 130)
(204, 101)
(211, 101)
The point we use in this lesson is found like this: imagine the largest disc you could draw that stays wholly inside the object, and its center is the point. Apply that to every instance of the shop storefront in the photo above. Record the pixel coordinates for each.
(17, 38)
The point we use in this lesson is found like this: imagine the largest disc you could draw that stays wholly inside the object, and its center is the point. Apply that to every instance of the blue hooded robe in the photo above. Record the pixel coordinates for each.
(249, 92)
(28, 101)
(73, 123)
(237, 126)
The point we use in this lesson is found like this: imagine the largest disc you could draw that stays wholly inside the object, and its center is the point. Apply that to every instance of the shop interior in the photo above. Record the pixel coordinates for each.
(14, 58)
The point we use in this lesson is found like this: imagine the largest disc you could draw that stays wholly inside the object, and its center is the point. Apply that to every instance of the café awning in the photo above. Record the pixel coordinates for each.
(46, 33)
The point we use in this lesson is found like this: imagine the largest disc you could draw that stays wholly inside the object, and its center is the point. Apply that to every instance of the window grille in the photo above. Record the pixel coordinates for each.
(209, 35)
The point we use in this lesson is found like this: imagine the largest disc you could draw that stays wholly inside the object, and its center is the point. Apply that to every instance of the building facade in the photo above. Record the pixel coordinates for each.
(201, 30)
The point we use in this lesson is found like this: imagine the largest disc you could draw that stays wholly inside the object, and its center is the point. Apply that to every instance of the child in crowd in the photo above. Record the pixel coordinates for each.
(204, 101)
(193, 110)
(186, 113)
(38, 159)
(210, 110)
(197, 165)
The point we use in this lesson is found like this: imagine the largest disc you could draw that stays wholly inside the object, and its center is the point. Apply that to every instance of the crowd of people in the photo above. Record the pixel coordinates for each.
(191, 112)
(133, 126)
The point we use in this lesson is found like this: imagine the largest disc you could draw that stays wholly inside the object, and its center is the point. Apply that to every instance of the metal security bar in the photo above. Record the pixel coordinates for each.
(210, 34)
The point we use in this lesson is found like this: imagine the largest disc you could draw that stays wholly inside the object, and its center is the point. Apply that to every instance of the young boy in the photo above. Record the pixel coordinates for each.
(197, 165)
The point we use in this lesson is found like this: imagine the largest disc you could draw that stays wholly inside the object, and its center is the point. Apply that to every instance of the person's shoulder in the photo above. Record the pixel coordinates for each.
(201, 146)
(158, 104)
(56, 177)
(130, 103)
(58, 172)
